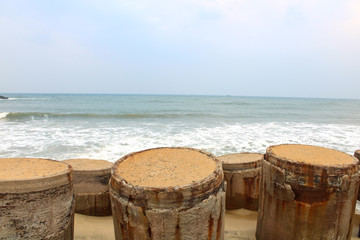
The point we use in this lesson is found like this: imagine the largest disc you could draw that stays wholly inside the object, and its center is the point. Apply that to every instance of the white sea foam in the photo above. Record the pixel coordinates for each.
(11, 98)
(3, 114)
(112, 141)
(24, 98)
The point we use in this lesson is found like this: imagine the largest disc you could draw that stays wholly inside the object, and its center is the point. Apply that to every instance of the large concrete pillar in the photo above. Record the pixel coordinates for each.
(91, 186)
(307, 192)
(242, 173)
(36, 199)
(357, 154)
(168, 193)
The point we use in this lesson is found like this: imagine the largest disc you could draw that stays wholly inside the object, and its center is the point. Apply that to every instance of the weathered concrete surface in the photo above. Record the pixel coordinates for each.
(239, 225)
(242, 172)
(202, 221)
(93, 204)
(357, 155)
(243, 189)
(192, 211)
(307, 201)
(40, 207)
(91, 186)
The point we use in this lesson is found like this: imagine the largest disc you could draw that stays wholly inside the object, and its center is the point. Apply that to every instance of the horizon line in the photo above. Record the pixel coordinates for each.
(178, 94)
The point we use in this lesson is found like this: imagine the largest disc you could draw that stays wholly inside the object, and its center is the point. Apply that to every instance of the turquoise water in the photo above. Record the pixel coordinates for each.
(61, 126)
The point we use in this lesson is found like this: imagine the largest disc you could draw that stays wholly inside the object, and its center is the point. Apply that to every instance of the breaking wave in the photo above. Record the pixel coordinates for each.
(40, 115)
(3, 114)
(111, 141)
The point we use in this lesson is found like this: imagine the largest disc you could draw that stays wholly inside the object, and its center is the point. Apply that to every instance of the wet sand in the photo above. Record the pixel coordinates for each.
(239, 225)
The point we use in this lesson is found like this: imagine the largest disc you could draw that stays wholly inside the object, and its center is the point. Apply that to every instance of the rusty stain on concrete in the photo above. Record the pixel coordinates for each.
(91, 186)
(188, 206)
(307, 199)
(242, 172)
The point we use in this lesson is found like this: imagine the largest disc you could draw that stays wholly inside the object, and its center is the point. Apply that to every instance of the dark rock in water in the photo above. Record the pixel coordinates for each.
(2, 97)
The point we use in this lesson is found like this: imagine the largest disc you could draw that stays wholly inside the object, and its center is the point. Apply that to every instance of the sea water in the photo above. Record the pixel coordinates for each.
(63, 126)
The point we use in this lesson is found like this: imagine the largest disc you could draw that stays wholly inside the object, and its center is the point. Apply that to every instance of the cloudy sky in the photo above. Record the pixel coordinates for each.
(219, 47)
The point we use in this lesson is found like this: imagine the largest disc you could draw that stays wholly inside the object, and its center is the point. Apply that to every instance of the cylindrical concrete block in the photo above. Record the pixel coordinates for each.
(36, 199)
(168, 193)
(242, 172)
(91, 186)
(357, 155)
(307, 192)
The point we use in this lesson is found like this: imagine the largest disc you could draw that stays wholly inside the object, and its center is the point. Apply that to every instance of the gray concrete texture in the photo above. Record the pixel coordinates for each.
(307, 201)
(91, 186)
(192, 211)
(242, 173)
(38, 204)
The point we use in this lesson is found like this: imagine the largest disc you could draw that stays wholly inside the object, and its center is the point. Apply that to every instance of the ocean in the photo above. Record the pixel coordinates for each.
(105, 126)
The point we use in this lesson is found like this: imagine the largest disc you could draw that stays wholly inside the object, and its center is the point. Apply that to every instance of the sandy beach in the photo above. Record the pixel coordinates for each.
(239, 225)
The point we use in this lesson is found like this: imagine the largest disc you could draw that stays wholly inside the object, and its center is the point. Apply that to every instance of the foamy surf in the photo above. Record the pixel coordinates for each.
(24, 98)
(111, 141)
(61, 126)
(3, 114)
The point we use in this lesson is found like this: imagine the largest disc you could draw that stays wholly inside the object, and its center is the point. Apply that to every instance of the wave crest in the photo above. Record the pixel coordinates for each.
(42, 115)
(3, 114)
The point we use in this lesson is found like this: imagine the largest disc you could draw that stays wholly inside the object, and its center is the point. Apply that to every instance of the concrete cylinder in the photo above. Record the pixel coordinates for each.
(168, 193)
(357, 155)
(91, 186)
(36, 199)
(242, 173)
(307, 192)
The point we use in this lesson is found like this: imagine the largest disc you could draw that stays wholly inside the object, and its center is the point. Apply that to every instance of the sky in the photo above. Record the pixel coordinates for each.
(284, 48)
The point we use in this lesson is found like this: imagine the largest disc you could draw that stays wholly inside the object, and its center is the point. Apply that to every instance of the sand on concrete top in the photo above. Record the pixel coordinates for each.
(30, 168)
(166, 167)
(236, 158)
(311, 154)
(88, 164)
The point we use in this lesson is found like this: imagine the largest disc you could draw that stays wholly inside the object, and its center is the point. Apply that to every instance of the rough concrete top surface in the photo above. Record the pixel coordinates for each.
(236, 158)
(311, 154)
(29, 168)
(88, 164)
(166, 167)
